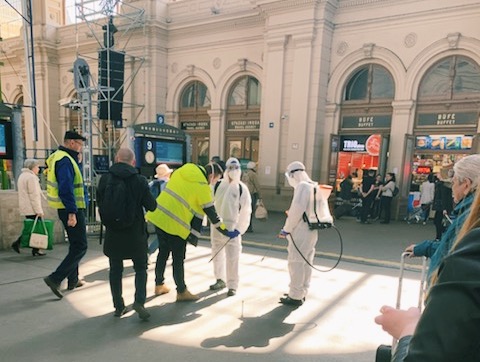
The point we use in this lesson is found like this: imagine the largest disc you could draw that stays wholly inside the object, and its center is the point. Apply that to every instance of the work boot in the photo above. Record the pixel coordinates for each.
(231, 292)
(161, 289)
(186, 296)
(220, 284)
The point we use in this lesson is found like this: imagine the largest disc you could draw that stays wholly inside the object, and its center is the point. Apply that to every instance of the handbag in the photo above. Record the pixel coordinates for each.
(28, 226)
(38, 240)
(261, 212)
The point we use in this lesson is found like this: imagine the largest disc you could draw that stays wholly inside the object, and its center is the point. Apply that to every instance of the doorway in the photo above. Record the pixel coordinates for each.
(242, 147)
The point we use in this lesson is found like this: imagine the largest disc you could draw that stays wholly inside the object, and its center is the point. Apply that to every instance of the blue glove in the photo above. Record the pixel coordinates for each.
(232, 234)
(283, 234)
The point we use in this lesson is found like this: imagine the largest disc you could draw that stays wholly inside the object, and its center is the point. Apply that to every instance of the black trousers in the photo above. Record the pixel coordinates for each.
(175, 245)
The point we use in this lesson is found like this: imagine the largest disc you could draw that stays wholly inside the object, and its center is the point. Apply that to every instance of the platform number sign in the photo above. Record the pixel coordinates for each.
(160, 119)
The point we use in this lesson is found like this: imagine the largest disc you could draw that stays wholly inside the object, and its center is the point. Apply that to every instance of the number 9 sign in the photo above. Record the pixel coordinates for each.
(149, 145)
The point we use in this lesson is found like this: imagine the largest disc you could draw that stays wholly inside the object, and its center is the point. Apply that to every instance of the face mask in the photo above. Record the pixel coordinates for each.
(234, 174)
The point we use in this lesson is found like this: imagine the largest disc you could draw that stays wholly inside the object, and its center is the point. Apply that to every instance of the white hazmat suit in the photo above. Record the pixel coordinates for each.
(234, 207)
(304, 238)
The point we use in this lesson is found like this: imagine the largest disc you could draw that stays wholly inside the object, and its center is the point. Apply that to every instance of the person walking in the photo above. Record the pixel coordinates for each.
(233, 203)
(250, 178)
(130, 241)
(65, 192)
(301, 239)
(162, 175)
(178, 220)
(427, 193)
(29, 198)
(387, 195)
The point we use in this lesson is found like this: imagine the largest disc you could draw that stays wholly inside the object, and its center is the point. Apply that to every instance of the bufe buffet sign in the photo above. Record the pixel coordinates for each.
(447, 119)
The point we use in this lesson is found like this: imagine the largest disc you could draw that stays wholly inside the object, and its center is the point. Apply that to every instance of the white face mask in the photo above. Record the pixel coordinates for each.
(235, 174)
(292, 182)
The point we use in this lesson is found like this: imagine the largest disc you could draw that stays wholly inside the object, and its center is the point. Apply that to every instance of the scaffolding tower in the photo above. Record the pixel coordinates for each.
(112, 24)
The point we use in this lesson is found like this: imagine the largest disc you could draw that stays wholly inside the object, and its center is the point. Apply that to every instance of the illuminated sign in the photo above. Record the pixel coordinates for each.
(444, 142)
(424, 170)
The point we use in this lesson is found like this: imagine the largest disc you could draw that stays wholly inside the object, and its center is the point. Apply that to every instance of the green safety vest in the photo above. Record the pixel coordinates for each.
(52, 185)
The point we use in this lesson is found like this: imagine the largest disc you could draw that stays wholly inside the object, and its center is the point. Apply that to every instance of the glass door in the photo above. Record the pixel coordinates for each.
(242, 147)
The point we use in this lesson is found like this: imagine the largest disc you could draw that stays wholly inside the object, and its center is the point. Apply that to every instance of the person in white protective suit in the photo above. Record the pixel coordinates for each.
(233, 205)
(297, 231)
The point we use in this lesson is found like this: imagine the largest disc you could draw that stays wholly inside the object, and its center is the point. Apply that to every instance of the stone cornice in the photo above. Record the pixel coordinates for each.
(215, 24)
(277, 7)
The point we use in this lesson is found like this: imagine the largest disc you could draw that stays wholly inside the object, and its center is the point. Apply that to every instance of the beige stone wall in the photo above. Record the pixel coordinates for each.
(11, 222)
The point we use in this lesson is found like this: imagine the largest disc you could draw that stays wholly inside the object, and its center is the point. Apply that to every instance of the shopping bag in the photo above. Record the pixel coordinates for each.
(40, 227)
(261, 212)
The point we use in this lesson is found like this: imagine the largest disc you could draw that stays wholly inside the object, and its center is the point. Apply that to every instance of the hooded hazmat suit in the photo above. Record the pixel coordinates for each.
(234, 207)
(304, 238)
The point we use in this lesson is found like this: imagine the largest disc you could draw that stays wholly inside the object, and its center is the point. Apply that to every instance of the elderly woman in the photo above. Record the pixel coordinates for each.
(464, 183)
(29, 197)
(448, 329)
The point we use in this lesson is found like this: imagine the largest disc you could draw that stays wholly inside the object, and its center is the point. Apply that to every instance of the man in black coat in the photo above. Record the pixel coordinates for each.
(129, 242)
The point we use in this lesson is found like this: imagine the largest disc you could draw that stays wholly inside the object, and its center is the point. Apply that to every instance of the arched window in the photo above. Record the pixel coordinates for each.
(455, 77)
(243, 119)
(370, 82)
(245, 93)
(195, 102)
(195, 96)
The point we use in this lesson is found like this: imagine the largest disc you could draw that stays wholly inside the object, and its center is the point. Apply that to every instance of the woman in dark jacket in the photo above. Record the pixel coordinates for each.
(442, 205)
(129, 242)
(449, 327)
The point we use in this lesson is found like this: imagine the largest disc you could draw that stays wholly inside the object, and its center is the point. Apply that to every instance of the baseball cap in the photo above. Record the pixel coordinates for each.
(72, 135)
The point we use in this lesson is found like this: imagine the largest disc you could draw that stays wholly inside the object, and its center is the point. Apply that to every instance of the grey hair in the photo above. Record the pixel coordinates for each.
(30, 163)
(468, 168)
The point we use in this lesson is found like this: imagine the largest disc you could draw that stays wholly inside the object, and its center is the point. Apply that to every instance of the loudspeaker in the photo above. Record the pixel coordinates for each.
(111, 66)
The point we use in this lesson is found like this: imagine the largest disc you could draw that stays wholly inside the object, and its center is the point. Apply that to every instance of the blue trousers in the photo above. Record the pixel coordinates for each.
(77, 237)
(116, 274)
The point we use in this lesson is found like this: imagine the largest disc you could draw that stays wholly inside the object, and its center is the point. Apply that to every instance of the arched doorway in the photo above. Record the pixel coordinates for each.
(243, 119)
(366, 115)
(194, 119)
(446, 120)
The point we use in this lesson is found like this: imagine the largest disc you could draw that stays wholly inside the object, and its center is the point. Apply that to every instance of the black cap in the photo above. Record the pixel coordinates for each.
(72, 135)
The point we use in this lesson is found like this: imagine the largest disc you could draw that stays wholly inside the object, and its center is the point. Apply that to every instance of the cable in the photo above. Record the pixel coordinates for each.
(310, 264)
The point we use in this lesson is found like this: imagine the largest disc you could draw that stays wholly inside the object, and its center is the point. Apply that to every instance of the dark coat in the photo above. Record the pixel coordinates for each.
(130, 242)
(442, 199)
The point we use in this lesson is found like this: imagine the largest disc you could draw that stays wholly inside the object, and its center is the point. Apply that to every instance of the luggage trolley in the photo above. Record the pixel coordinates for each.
(385, 352)
(415, 215)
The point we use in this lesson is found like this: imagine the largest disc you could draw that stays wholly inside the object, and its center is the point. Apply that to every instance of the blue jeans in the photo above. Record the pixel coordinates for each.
(77, 237)
(178, 247)
(115, 276)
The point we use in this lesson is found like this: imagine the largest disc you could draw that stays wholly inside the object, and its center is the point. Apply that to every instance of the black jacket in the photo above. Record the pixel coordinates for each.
(449, 329)
(442, 199)
(130, 242)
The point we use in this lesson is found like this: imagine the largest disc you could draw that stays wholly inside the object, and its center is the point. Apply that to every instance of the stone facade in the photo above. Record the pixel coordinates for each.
(303, 52)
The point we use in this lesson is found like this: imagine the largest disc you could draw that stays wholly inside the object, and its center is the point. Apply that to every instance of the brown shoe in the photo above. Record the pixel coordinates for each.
(186, 296)
(161, 289)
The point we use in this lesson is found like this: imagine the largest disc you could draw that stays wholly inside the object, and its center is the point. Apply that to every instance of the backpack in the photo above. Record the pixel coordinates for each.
(117, 211)
(395, 191)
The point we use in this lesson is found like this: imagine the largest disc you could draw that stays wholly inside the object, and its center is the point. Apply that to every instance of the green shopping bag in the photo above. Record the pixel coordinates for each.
(27, 230)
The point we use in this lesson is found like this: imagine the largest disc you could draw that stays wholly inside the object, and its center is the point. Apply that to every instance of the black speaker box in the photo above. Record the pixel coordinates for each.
(111, 69)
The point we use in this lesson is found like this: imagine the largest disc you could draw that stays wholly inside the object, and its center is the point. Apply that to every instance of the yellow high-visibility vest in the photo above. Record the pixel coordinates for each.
(52, 184)
(180, 205)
